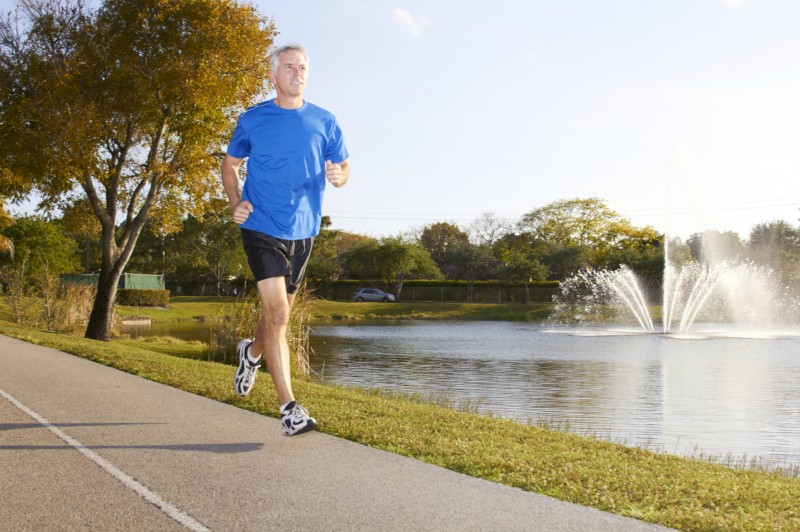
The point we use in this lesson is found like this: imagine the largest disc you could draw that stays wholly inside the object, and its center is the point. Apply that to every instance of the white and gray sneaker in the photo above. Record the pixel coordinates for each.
(246, 373)
(295, 420)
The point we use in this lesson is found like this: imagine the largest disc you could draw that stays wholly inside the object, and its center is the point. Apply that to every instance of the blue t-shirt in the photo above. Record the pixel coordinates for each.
(286, 151)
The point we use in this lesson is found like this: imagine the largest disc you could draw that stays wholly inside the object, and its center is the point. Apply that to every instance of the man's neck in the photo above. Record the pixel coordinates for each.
(289, 102)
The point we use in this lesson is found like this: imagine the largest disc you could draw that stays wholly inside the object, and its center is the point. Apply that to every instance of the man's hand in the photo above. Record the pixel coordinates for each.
(336, 174)
(242, 211)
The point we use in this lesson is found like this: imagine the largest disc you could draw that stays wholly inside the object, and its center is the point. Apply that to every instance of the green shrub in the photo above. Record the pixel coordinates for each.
(143, 298)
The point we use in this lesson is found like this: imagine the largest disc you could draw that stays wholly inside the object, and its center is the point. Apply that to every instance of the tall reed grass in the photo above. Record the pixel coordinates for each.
(42, 301)
(226, 331)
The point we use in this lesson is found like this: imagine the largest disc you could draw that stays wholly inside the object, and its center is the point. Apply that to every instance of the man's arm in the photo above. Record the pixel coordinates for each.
(337, 174)
(230, 181)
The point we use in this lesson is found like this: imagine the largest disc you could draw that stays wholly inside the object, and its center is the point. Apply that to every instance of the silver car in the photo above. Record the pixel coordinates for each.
(372, 294)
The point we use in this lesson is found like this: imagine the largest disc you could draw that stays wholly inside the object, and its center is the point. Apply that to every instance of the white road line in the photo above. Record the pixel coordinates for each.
(148, 495)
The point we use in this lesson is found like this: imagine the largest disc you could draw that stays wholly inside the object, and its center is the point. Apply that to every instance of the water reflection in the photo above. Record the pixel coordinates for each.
(190, 330)
(718, 395)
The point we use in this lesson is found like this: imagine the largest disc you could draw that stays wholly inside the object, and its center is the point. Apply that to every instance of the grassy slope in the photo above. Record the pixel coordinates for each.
(677, 492)
(195, 308)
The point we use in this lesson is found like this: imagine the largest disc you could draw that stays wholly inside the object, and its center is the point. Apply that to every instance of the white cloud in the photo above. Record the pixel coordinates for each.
(408, 22)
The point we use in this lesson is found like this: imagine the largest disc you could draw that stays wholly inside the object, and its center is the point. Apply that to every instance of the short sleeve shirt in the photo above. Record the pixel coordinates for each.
(286, 150)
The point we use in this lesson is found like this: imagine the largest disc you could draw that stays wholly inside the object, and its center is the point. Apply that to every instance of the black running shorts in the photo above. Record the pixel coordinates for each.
(273, 257)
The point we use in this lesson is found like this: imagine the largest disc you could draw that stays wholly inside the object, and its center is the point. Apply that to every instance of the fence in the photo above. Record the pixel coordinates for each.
(131, 281)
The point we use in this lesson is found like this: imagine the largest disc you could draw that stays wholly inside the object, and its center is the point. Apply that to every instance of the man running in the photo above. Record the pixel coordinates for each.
(292, 148)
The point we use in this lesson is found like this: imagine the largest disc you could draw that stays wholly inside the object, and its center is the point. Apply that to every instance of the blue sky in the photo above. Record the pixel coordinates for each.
(454, 108)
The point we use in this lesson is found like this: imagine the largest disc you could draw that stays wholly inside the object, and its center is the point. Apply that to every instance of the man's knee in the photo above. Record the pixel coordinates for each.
(276, 316)
(274, 302)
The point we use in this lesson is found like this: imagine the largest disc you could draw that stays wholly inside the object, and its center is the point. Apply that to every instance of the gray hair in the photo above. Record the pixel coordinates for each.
(288, 47)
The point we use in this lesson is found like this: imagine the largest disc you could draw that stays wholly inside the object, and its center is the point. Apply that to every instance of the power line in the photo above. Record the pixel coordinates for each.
(653, 211)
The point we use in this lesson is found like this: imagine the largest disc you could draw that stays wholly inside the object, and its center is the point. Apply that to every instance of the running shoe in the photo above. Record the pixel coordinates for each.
(246, 373)
(295, 420)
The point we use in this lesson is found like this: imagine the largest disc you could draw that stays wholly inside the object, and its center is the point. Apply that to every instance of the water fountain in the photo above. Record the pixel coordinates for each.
(717, 289)
(737, 293)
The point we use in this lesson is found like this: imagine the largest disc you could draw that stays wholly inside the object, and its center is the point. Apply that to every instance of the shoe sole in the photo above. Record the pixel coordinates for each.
(241, 371)
(310, 426)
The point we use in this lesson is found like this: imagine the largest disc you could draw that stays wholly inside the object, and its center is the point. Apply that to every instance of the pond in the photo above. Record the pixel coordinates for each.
(182, 329)
(721, 396)
(703, 394)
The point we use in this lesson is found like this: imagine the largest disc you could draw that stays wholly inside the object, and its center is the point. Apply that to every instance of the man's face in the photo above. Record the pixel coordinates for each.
(291, 75)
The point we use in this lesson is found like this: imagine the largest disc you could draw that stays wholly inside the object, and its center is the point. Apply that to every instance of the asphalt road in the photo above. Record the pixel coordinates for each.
(87, 447)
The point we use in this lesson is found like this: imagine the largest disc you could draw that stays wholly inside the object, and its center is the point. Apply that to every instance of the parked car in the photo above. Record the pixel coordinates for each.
(372, 294)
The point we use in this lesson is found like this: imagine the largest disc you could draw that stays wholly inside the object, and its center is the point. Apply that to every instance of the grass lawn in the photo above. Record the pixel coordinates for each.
(206, 308)
(425, 310)
(677, 492)
(184, 308)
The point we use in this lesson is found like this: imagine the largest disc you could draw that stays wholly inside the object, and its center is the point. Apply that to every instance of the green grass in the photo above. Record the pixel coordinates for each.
(170, 346)
(206, 308)
(183, 308)
(673, 491)
(426, 310)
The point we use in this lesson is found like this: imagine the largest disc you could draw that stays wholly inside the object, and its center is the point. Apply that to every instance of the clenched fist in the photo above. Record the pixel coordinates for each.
(242, 211)
(335, 174)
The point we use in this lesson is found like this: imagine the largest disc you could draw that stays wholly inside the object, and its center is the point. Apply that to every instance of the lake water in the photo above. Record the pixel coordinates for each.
(710, 392)
(183, 329)
(707, 393)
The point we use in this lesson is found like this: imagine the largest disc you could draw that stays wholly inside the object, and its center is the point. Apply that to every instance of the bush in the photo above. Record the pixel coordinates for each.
(75, 305)
(143, 298)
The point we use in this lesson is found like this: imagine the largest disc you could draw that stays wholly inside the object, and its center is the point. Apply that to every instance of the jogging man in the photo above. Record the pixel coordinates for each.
(292, 148)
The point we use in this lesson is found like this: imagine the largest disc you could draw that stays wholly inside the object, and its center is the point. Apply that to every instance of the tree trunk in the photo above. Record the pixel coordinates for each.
(114, 262)
(100, 320)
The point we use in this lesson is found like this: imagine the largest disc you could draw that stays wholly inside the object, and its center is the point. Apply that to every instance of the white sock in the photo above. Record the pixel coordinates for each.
(251, 360)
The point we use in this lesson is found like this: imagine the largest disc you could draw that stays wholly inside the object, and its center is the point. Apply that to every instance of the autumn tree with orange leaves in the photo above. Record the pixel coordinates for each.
(125, 108)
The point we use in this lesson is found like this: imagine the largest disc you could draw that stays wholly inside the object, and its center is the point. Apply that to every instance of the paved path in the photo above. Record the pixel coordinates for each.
(87, 447)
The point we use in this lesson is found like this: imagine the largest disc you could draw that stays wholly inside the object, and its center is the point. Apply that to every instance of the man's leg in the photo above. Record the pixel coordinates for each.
(270, 338)
(279, 265)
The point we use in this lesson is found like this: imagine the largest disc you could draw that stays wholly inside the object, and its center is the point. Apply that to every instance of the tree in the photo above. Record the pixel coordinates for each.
(584, 233)
(43, 246)
(574, 222)
(207, 248)
(488, 229)
(777, 245)
(43, 251)
(331, 246)
(444, 242)
(469, 261)
(519, 262)
(126, 105)
(221, 253)
(150, 254)
(6, 245)
(392, 260)
(640, 249)
(362, 260)
(519, 259)
(679, 253)
(80, 223)
(714, 246)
